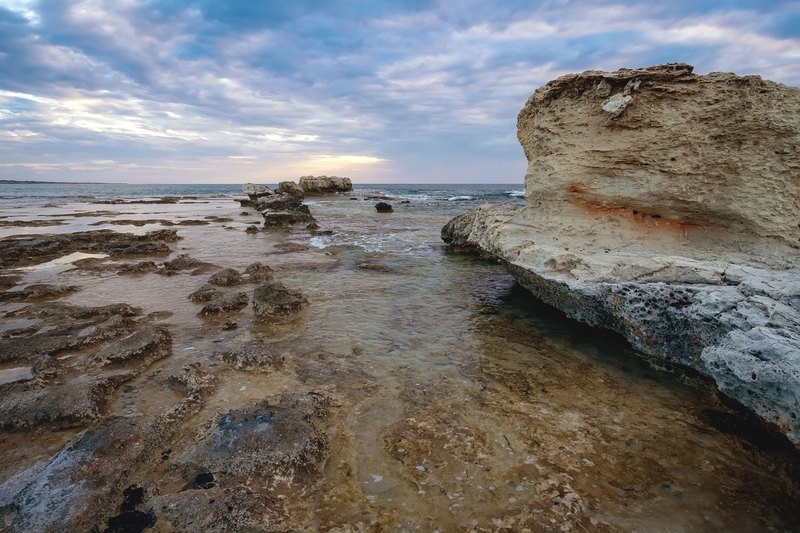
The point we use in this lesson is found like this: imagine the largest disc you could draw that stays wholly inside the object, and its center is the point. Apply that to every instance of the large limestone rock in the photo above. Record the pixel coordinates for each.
(666, 206)
(325, 184)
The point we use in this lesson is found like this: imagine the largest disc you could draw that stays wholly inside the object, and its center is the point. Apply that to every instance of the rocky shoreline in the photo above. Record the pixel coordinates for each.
(664, 206)
(174, 376)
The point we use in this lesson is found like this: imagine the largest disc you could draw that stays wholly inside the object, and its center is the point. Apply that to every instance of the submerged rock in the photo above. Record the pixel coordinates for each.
(383, 207)
(273, 299)
(683, 239)
(253, 356)
(325, 184)
(264, 444)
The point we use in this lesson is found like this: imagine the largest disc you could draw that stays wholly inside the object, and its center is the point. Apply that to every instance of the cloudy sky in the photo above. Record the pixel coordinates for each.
(214, 91)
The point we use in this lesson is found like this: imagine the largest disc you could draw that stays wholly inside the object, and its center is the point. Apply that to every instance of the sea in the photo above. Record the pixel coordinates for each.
(459, 402)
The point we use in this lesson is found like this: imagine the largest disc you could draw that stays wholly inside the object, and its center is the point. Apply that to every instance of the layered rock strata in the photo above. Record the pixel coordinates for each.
(665, 206)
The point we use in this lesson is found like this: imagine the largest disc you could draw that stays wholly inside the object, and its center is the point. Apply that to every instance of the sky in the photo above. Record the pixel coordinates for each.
(404, 91)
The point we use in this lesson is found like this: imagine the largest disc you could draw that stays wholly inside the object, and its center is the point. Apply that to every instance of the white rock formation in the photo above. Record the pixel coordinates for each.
(325, 184)
(666, 206)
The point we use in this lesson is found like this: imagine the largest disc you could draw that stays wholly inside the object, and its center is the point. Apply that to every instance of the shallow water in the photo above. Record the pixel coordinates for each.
(459, 403)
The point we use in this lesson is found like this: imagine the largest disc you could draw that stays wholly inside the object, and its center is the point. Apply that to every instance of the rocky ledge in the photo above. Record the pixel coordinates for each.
(665, 206)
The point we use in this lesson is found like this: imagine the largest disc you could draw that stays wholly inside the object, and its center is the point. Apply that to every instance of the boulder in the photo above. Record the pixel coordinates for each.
(325, 184)
(383, 207)
(664, 205)
(290, 188)
(255, 191)
(273, 299)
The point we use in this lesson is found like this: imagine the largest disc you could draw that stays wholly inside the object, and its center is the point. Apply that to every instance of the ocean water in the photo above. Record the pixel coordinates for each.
(18, 194)
(459, 403)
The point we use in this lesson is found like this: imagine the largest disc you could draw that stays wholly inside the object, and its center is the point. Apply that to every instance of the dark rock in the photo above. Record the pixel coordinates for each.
(229, 325)
(38, 291)
(252, 229)
(257, 272)
(204, 480)
(142, 267)
(383, 207)
(288, 218)
(225, 304)
(279, 202)
(273, 299)
(9, 280)
(185, 262)
(206, 293)
(65, 327)
(22, 250)
(226, 277)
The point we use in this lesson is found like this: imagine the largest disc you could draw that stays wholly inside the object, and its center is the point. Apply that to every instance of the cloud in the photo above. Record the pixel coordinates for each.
(188, 90)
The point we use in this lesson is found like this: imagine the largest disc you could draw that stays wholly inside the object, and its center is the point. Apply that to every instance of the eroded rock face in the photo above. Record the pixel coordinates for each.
(664, 206)
(667, 160)
(325, 184)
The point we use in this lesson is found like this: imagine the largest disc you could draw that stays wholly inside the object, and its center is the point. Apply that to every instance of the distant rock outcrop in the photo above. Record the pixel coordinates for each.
(281, 207)
(325, 184)
(666, 206)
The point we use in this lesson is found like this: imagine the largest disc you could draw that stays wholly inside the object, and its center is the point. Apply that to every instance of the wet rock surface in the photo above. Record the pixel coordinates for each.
(283, 207)
(225, 303)
(274, 299)
(264, 445)
(226, 277)
(253, 356)
(28, 250)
